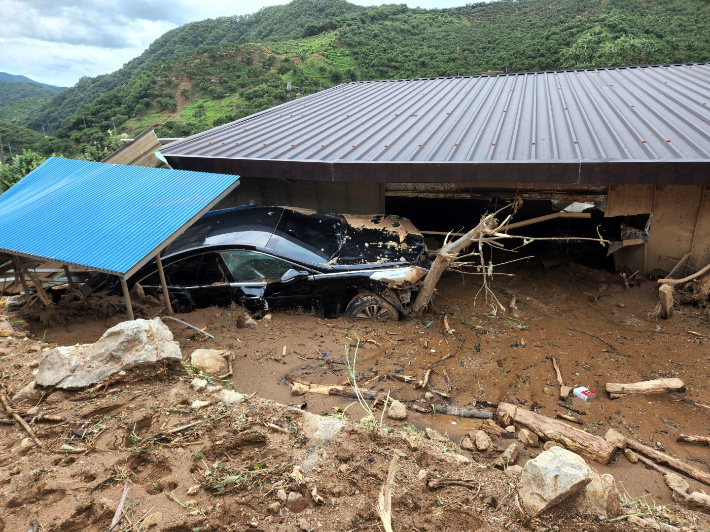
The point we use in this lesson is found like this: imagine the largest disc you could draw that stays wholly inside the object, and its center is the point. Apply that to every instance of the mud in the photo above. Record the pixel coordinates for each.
(494, 357)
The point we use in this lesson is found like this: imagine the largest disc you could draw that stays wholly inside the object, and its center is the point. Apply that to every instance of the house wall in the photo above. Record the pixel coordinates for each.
(337, 197)
(680, 225)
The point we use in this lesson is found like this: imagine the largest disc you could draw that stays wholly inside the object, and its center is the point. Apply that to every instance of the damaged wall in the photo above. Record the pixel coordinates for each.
(680, 225)
(341, 198)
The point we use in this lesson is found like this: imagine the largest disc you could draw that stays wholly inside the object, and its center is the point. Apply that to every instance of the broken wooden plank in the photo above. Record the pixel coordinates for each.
(576, 440)
(667, 460)
(645, 387)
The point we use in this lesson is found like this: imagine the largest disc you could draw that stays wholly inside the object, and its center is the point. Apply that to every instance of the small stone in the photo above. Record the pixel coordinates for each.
(210, 361)
(631, 456)
(298, 388)
(199, 385)
(547, 391)
(616, 438)
(304, 525)
(508, 457)
(25, 394)
(528, 438)
(550, 444)
(399, 453)
(295, 502)
(6, 328)
(199, 404)
(468, 444)
(461, 459)
(274, 507)
(676, 483)
(230, 397)
(193, 490)
(152, 520)
(435, 435)
(413, 442)
(423, 473)
(483, 442)
(214, 388)
(620, 305)
(510, 428)
(178, 396)
(397, 411)
(281, 495)
(254, 524)
(429, 396)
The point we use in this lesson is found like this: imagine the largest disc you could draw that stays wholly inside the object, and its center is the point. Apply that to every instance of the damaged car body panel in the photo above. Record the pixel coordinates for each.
(277, 257)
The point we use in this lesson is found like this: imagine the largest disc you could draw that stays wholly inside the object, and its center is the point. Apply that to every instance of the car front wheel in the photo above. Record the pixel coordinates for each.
(370, 307)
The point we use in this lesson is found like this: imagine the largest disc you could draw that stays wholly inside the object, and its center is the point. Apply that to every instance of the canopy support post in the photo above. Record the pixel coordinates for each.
(19, 270)
(166, 295)
(71, 281)
(127, 298)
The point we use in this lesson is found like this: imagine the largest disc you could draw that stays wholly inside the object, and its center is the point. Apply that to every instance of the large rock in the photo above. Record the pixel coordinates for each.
(210, 361)
(127, 345)
(483, 442)
(320, 428)
(552, 477)
(599, 497)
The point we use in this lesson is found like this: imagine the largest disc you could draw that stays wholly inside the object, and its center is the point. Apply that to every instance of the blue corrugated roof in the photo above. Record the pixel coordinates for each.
(105, 217)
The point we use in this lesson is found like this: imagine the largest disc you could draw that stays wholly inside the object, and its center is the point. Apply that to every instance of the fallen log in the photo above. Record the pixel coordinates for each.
(457, 411)
(576, 440)
(702, 440)
(669, 461)
(654, 386)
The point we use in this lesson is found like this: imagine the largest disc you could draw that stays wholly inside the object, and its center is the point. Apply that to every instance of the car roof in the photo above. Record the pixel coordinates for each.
(249, 226)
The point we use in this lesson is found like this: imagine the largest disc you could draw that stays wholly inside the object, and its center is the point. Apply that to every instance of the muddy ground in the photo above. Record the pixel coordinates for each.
(598, 331)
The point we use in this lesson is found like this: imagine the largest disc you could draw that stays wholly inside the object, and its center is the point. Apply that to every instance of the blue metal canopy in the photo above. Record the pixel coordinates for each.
(104, 217)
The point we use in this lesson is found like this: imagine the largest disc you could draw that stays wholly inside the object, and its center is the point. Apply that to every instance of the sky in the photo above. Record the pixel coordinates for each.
(59, 41)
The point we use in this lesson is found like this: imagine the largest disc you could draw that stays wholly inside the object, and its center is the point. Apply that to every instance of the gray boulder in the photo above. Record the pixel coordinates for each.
(599, 497)
(127, 345)
(551, 478)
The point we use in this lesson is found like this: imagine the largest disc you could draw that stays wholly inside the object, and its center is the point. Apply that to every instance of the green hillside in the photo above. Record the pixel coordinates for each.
(210, 72)
(14, 78)
(18, 112)
(13, 92)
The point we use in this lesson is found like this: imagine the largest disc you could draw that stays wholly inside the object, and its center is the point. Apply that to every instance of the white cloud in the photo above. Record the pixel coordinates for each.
(59, 41)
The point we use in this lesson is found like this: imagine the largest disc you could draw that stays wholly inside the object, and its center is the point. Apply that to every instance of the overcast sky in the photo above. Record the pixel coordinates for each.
(59, 41)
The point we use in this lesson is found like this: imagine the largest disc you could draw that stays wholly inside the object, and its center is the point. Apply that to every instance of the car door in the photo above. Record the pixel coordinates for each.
(259, 276)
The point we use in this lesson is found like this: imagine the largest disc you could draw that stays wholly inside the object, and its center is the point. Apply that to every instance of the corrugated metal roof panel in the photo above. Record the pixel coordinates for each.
(632, 114)
(140, 152)
(104, 217)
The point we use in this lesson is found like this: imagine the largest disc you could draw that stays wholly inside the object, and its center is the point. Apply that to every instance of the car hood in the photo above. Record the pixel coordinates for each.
(381, 240)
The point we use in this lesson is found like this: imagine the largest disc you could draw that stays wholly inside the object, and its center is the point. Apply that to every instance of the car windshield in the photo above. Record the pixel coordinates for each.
(311, 238)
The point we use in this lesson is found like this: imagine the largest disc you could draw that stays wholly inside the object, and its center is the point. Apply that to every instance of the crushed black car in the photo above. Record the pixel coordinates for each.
(268, 258)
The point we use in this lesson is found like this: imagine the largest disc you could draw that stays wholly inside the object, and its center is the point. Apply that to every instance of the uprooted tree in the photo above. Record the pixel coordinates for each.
(488, 231)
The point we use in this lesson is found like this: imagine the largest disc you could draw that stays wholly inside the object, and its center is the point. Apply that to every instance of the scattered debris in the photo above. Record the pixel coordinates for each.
(645, 387)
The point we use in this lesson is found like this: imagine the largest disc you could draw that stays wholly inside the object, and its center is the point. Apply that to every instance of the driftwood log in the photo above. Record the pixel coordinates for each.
(663, 458)
(685, 438)
(445, 256)
(576, 440)
(654, 386)
(477, 413)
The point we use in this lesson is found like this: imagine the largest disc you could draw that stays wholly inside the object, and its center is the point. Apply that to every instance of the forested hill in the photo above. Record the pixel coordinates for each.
(208, 72)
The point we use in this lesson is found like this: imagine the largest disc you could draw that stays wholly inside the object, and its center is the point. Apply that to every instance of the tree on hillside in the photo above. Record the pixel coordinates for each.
(18, 167)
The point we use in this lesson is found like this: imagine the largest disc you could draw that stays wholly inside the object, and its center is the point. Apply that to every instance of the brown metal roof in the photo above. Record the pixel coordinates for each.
(616, 125)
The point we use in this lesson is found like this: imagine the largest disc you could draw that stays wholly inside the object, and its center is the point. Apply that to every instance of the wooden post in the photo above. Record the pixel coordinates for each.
(66, 271)
(166, 295)
(38, 287)
(19, 270)
(127, 298)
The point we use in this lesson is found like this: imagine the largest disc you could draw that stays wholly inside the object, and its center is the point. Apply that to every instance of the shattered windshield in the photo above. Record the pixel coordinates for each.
(311, 238)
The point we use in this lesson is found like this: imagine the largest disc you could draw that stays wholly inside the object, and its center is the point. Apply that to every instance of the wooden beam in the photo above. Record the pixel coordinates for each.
(69, 279)
(38, 287)
(531, 221)
(127, 298)
(19, 270)
(166, 295)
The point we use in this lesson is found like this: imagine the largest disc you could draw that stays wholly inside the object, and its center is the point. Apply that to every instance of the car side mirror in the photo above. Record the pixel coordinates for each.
(294, 275)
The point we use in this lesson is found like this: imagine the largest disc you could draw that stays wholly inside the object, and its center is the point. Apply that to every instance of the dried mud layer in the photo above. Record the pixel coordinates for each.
(230, 471)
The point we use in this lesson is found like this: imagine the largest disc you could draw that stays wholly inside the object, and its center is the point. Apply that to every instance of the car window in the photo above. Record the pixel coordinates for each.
(309, 237)
(211, 270)
(247, 266)
(183, 272)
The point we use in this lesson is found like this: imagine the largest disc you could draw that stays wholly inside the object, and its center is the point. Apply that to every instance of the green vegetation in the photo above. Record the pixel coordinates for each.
(17, 112)
(13, 92)
(208, 73)
(17, 168)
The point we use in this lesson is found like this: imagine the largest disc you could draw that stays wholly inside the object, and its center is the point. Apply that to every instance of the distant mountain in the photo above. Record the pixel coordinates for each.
(18, 111)
(13, 78)
(13, 92)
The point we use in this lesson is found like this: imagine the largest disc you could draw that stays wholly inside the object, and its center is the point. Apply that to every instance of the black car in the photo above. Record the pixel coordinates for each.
(279, 257)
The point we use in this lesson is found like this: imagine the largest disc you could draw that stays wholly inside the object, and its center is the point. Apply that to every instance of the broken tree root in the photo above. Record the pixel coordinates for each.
(28, 429)
(384, 506)
(595, 337)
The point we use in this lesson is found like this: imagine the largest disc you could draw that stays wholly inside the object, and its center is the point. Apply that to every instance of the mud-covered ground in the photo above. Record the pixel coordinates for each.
(582, 316)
